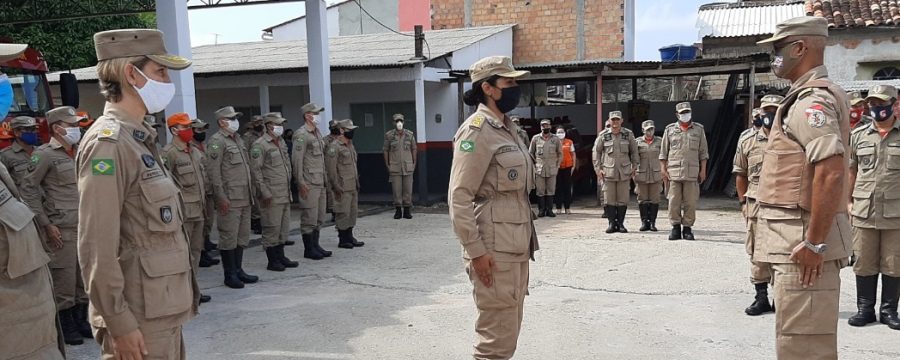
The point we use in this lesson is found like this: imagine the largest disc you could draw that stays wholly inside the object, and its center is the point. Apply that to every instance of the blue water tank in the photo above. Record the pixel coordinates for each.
(677, 52)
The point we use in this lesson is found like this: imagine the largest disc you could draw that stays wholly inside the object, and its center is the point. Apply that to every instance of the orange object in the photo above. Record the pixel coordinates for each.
(5, 131)
(567, 149)
(179, 119)
(86, 120)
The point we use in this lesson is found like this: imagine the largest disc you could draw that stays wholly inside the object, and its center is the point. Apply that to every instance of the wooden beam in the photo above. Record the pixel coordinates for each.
(660, 72)
(561, 75)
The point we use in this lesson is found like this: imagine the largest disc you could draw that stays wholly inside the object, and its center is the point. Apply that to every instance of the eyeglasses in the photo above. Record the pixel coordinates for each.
(776, 49)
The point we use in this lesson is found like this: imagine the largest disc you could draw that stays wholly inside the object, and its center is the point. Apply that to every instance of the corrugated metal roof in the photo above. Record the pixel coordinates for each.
(345, 52)
(737, 19)
(865, 85)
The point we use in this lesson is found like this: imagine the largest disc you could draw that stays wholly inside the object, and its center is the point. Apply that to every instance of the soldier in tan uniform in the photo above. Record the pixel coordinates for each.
(648, 176)
(490, 178)
(17, 157)
(802, 218)
(209, 208)
(343, 179)
(615, 156)
(27, 309)
(875, 176)
(229, 175)
(333, 133)
(683, 154)
(546, 150)
(185, 164)
(748, 162)
(308, 164)
(859, 111)
(400, 158)
(271, 167)
(133, 252)
(255, 129)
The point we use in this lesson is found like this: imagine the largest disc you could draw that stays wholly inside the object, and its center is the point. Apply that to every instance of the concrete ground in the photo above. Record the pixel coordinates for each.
(593, 296)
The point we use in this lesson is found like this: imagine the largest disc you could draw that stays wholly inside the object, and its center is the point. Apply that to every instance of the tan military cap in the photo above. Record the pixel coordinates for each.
(22, 122)
(199, 124)
(798, 26)
(257, 118)
(495, 65)
(882, 92)
(65, 114)
(615, 115)
(227, 113)
(683, 107)
(546, 121)
(125, 43)
(273, 118)
(756, 112)
(771, 100)
(648, 124)
(399, 117)
(346, 124)
(855, 97)
(11, 51)
(311, 108)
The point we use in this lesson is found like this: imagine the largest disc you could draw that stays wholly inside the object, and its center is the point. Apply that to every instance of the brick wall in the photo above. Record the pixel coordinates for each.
(546, 30)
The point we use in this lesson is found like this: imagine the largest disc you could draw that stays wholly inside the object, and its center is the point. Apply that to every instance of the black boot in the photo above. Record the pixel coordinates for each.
(274, 259)
(315, 240)
(256, 226)
(676, 233)
(652, 211)
(209, 245)
(687, 233)
(866, 288)
(890, 291)
(289, 242)
(288, 263)
(620, 218)
(344, 241)
(205, 298)
(238, 261)
(406, 212)
(206, 260)
(611, 217)
(645, 217)
(356, 243)
(398, 212)
(231, 278)
(548, 204)
(80, 317)
(605, 215)
(541, 211)
(761, 304)
(309, 250)
(70, 331)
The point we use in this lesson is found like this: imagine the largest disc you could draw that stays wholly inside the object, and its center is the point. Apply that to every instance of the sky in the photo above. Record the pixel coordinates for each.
(659, 23)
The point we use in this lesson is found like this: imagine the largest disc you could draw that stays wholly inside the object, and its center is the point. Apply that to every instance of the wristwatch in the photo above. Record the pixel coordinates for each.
(817, 248)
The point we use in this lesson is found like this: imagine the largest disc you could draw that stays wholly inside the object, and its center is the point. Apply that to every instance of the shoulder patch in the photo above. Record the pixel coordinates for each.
(256, 152)
(332, 151)
(103, 167)
(477, 122)
(815, 115)
(35, 158)
(467, 146)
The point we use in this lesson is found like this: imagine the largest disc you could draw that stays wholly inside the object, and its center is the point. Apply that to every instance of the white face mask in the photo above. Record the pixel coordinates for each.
(156, 95)
(399, 125)
(72, 136)
(233, 125)
(278, 130)
(315, 119)
(561, 135)
(686, 117)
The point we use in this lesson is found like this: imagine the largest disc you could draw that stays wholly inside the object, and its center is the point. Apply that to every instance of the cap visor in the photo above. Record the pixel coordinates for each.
(856, 101)
(768, 104)
(173, 62)
(770, 40)
(682, 111)
(11, 51)
(515, 74)
(351, 127)
(879, 97)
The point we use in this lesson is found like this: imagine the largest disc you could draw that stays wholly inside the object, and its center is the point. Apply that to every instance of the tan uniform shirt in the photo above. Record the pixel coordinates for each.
(229, 170)
(308, 159)
(649, 169)
(17, 161)
(186, 166)
(51, 190)
(684, 150)
(249, 137)
(341, 165)
(134, 254)
(876, 194)
(400, 149)
(271, 169)
(490, 178)
(748, 158)
(615, 154)
(547, 155)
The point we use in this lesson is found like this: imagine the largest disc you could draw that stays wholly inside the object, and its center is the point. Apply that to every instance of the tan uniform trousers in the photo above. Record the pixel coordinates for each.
(165, 344)
(194, 231)
(760, 272)
(649, 192)
(546, 186)
(329, 200)
(68, 287)
(877, 251)
(402, 187)
(276, 223)
(346, 209)
(615, 193)
(683, 195)
(806, 320)
(211, 213)
(312, 210)
(234, 228)
(500, 309)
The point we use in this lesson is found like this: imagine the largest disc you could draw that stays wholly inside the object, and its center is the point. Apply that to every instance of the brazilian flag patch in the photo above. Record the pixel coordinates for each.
(467, 146)
(35, 159)
(103, 167)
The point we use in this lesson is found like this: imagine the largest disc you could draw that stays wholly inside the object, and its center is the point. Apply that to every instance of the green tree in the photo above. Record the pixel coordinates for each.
(69, 44)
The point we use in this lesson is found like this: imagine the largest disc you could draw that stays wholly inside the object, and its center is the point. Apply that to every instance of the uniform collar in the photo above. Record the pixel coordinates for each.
(310, 128)
(815, 73)
(181, 146)
(490, 117)
(111, 111)
(872, 127)
(16, 147)
(761, 134)
(55, 144)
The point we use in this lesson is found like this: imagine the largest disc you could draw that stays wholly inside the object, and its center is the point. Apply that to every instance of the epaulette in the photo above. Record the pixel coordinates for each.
(806, 92)
(108, 129)
(746, 135)
(477, 122)
(860, 128)
(699, 125)
(674, 124)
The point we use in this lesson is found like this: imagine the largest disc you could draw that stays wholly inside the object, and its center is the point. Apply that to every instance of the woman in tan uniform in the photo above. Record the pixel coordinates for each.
(490, 178)
(648, 176)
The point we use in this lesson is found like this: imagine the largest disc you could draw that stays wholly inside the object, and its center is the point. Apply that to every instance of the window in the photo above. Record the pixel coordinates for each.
(888, 73)
(29, 93)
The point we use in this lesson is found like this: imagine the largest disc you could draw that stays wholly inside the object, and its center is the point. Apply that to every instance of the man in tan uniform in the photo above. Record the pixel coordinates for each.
(343, 179)
(615, 156)
(185, 164)
(308, 164)
(400, 158)
(27, 310)
(802, 218)
(271, 167)
(209, 208)
(546, 149)
(875, 176)
(683, 155)
(17, 157)
(229, 174)
(648, 176)
(333, 133)
(52, 194)
(859, 111)
(747, 164)
(255, 129)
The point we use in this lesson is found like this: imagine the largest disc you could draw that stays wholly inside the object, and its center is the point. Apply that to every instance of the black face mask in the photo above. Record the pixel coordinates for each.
(258, 128)
(545, 131)
(335, 131)
(348, 134)
(510, 99)
(199, 136)
(882, 113)
(768, 119)
(757, 121)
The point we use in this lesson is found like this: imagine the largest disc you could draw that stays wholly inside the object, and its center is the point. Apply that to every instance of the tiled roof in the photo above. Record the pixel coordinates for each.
(856, 13)
(865, 85)
(745, 18)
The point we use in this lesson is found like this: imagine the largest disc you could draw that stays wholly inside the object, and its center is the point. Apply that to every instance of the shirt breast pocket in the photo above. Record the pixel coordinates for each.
(160, 205)
(186, 175)
(234, 155)
(275, 157)
(315, 148)
(23, 168)
(865, 157)
(694, 142)
(510, 172)
(66, 172)
(893, 156)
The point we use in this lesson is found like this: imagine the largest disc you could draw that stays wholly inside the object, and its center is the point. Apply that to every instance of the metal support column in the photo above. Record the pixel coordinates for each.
(319, 67)
(264, 107)
(752, 99)
(421, 139)
(172, 20)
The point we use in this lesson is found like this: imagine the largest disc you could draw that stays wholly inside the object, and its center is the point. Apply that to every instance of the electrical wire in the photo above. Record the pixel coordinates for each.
(389, 28)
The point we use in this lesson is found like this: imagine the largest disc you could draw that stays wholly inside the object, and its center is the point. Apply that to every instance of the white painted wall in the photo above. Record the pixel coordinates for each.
(843, 61)
(497, 44)
(441, 98)
(296, 30)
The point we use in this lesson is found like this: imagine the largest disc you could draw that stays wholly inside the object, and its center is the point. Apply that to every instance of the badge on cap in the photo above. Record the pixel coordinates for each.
(148, 160)
(165, 214)
(815, 116)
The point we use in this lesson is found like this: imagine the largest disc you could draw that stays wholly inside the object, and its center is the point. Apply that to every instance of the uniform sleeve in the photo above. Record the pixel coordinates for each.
(596, 155)
(854, 140)
(257, 157)
(704, 146)
(664, 146)
(559, 152)
(298, 155)
(815, 125)
(633, 149)
(387, 143)
(32, 192)
(98, 233)
(532, 147)
(740, 160)
(414, 146)
(471, 159)
(331, 167)
(215, 151)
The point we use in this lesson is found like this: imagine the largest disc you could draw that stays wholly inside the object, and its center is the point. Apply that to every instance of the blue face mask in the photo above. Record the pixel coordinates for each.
(30, 138)
(6, 96)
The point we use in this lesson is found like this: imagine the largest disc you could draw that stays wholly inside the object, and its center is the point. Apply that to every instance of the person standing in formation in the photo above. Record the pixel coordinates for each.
(563, 196)
(683, 154)
(343, 178)
(648, 176)
(615, 156)
(546, 149)
(400, 158)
